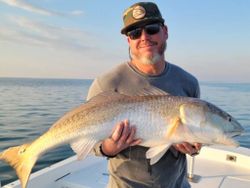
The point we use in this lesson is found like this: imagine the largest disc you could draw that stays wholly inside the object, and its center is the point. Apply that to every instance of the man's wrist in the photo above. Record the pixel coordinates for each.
(104, 154)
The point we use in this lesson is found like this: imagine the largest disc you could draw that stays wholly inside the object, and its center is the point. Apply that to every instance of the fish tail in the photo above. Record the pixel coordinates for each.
(19, 158)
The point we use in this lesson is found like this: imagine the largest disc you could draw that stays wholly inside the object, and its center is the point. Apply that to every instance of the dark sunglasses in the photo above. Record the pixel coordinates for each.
(150, 29)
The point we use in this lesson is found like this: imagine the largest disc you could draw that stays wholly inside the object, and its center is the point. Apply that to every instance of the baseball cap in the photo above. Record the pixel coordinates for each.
(140, 14)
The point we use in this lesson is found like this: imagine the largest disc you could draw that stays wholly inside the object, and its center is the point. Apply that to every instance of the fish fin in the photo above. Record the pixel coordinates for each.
(112, 95)
(173, 127)
(151, 90)
(156, 153)
(82, 147)
(104, 96)
(21, 160)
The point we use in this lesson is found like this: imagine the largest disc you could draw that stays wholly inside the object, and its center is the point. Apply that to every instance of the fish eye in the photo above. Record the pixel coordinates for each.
(229, 118)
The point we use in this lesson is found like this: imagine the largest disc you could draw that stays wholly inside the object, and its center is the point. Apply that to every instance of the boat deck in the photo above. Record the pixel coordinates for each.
(214, 168)
(222, 168)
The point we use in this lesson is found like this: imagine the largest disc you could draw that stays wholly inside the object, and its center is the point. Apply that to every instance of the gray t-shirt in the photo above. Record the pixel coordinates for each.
(130, 168)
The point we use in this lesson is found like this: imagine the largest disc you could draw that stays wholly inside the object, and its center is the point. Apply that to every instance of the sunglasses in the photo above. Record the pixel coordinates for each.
(150, 29)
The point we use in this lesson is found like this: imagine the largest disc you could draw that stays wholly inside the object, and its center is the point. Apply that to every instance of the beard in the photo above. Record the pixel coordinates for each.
(152, 59)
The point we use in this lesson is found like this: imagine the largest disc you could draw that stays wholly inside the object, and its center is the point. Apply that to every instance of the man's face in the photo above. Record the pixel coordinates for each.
(147, 44)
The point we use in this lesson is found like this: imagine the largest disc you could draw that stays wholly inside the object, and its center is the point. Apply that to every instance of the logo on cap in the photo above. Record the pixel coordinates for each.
(138, 12)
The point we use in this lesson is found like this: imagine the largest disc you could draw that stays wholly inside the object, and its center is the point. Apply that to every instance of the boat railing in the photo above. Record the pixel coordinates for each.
(194, 178)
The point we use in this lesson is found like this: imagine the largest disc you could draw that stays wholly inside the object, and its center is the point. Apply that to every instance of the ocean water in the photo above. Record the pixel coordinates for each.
(28, 107)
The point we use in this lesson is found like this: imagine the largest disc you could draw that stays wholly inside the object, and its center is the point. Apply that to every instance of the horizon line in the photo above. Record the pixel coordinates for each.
(61, 78)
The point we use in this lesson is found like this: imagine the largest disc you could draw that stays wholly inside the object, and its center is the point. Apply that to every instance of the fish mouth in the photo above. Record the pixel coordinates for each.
(237, 130)
(235, 133)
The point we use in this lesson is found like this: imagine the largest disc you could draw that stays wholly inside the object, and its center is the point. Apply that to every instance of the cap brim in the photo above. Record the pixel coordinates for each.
(141, 23)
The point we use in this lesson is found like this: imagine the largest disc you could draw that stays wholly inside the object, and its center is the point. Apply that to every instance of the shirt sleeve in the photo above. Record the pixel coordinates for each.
(94, 89)
(197, 92)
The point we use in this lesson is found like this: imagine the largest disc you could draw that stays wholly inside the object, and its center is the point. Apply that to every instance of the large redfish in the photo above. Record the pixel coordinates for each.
(160, 121)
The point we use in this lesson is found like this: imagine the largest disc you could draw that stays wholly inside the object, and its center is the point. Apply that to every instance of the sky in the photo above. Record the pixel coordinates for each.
(82, 39)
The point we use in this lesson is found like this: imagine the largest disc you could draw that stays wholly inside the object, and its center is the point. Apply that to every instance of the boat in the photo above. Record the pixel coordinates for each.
(214, 167)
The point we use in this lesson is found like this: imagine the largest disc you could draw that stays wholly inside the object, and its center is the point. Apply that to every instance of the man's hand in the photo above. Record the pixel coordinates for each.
(122, 137)
(186, 148)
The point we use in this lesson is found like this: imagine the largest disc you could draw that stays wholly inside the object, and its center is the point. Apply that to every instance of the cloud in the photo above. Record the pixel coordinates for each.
(29, 7)
(22, 30)
(76, 12)
(38, 10)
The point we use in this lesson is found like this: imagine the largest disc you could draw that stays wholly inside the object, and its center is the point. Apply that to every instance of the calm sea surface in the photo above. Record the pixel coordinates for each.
(28, 107)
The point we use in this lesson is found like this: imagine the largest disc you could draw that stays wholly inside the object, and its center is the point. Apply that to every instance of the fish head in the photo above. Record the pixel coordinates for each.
(221, 120)
(208, 124)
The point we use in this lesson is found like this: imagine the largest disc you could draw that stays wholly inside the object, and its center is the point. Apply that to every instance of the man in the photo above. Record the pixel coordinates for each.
(128, 166)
